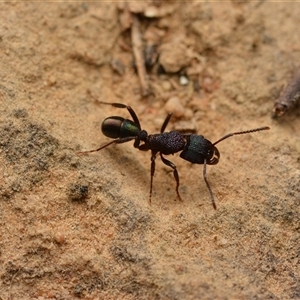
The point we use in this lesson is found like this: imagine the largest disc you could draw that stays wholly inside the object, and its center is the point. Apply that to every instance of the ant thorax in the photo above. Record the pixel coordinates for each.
(167, 142)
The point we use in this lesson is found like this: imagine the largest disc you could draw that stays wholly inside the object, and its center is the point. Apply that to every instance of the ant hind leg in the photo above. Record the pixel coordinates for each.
(118, 141)
(119, 105)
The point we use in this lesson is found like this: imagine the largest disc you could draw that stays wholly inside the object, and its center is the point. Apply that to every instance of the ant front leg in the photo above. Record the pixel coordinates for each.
(175, 173)
(208, 186)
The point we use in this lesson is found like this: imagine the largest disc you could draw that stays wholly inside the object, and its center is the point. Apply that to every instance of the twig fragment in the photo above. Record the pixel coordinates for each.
(289, 96)
(137, 48)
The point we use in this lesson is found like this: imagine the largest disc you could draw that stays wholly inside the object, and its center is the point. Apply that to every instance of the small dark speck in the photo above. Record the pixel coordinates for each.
(78, 290)
(20, 113)
(77, 192)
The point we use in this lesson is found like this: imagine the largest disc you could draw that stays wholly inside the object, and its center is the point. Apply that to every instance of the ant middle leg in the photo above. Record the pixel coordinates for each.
(152, 171)
(165, 123)
(175, 173)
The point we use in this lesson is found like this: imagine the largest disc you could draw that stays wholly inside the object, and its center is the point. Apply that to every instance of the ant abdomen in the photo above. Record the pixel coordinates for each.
(118, 127)
(167, 142)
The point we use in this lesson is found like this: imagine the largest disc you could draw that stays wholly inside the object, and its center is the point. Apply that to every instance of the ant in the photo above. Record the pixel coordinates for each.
(194, 148)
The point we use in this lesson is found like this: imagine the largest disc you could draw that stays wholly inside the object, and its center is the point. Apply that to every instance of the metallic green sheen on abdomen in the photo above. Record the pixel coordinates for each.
(118, 127)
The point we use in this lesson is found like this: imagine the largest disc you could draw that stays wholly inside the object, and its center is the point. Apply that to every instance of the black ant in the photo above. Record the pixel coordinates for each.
(195, 148)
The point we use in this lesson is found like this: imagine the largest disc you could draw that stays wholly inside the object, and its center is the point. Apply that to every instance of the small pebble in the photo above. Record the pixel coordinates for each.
(185, 126)
(51, 80)
(166, 86)
(173, 57)
(183, 80)
(77, 192)
(175, 107)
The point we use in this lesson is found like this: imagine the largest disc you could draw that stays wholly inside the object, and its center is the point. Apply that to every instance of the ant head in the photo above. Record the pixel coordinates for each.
(199, 150)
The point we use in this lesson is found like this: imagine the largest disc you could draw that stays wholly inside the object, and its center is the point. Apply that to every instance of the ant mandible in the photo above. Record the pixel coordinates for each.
(195, 148)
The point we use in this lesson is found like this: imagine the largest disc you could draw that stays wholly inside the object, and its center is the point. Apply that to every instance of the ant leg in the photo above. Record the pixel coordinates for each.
(143, 147)
(153, 157)
(175, 173)
(119, 141)
(165, 123)
(208, 186)
(119, 105)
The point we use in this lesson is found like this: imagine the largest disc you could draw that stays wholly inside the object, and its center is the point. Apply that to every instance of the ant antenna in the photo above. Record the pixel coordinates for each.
(218, 141)
(240, 132)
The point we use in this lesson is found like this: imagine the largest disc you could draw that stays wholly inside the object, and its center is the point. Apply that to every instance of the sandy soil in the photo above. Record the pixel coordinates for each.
(81, 226)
